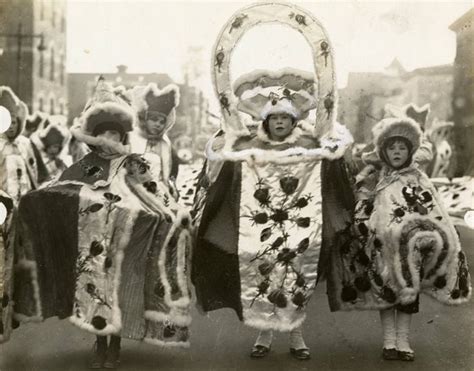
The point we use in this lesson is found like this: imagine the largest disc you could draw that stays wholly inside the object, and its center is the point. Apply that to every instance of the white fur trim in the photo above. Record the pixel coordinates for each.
(100, 142)
(390, 127)
(126, 114)
(276, 325)
(161, 343)
(300, 20)
(31, 267)
(173, 317)
(137, 96)
(184, 301)
(343, 139)
(282, 106)
(289, 77)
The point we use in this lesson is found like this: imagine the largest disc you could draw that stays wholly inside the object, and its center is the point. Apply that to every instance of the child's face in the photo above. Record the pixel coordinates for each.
(397, 154)
(53, 150)
(155, 123)
(112, 135)
(13, 129)
(280, 125)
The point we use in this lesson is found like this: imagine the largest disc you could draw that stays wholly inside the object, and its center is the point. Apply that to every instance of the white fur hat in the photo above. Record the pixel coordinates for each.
(388, 128)
(107, 105)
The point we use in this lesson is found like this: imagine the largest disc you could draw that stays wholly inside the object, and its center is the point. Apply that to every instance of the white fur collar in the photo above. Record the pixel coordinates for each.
(290, 139)
(333, 145)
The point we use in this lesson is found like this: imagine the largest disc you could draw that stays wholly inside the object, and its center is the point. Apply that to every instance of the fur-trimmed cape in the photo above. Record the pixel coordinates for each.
(259, 212)
(402, 243)
(106, 246)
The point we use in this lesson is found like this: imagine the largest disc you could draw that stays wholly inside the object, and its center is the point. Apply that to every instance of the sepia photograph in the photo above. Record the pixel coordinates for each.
(236, 185)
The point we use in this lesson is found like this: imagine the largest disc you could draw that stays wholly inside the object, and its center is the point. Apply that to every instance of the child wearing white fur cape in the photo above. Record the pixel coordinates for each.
(402, 242)
(259, 210)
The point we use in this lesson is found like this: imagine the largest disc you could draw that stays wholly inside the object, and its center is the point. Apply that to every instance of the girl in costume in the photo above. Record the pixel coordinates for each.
(50, 143)
(111, 255)
(156, 110)
(262, 196)
(402, 242)
(17, 160)
(18, 176)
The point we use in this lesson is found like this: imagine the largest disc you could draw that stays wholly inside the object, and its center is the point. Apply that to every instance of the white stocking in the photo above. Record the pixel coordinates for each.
(403, 331)
(265, 338)
(296, 339)
(387, 317)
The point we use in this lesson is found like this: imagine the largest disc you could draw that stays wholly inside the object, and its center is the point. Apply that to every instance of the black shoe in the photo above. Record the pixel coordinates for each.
(300, 354)
(389, 354)
(259, 351)
(112, 359)
(98, 357)
(406, 356)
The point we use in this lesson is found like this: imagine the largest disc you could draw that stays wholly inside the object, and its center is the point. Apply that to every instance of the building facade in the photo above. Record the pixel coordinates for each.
(463, 93)
(362, 101)
(33, 53)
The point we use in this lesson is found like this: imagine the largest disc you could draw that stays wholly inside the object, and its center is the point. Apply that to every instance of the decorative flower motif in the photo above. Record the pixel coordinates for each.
(265, 234)
(262, 195)
(303, 222)
(260, 218)
(362, 283)
(286, 255)
(301, 202)
(237, 22)
(278, 298)
(279, 216)
(348, 293)
(303, 245)
(96, 248)
(265, 268)
(388, 295)
(289, 184)
(299, 299)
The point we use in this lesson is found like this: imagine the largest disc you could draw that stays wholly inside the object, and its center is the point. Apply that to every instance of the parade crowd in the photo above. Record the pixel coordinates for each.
(95, 232)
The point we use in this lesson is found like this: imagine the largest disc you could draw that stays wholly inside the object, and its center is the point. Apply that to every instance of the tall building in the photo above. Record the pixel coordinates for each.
(33, 52)
(362, 101)
(463, 93)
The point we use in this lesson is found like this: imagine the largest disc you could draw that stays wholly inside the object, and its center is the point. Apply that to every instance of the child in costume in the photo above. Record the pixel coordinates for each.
(402, 242)
(111, 255)
(50, 143)
(17, 161)
(6, 268)
(17, 177)
(156, 110)
(263, 194)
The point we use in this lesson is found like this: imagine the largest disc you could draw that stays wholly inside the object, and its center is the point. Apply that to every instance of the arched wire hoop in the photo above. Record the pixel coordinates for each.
(298, 19)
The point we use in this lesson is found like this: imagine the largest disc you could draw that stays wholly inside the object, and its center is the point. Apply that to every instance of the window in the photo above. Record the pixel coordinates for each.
(40, 104)
(52, 106)
(62, 72)
(41, 64)
(41, 10)
(52, 66)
